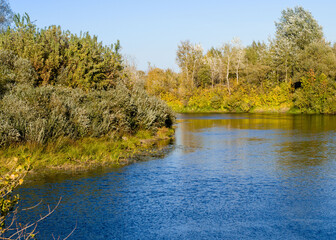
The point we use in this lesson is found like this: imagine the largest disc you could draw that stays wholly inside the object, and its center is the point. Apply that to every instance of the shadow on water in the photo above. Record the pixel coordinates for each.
(231, 176)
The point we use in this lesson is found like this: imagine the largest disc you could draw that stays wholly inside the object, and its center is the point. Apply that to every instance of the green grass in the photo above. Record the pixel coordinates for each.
(66, 154)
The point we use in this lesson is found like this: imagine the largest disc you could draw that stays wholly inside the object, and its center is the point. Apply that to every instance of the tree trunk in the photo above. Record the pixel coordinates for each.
(237, 72)
(227, 75)
(286, 67)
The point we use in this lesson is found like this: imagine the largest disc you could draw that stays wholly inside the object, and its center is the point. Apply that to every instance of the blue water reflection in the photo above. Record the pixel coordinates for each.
(229, 176)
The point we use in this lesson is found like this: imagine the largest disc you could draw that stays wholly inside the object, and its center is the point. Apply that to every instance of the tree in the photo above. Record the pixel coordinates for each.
(134, 76)
(238, 55)
(213, 62)
(227, 53)
(295, 30)
(6, 14)
(189, 58)
(317, 94)
(227, 57)
(299, 27)
(257, 62)
(283, 57)
(59, 57)
(204, 76)
(160, 81)
(220, 63)
(319, 57)
(14, 69)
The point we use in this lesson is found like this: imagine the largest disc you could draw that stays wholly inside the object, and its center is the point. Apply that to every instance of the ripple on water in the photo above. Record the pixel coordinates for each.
(229, 176)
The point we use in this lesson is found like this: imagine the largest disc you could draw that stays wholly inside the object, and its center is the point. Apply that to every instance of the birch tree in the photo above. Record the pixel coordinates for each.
(227, 54)
(189, 58)
(239, 53)
(213, 61)
(283, 57)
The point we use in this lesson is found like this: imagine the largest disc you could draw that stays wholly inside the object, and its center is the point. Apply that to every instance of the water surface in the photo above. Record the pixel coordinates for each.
(227, 176)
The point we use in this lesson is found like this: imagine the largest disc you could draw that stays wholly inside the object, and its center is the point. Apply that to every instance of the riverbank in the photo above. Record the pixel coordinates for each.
(309, 98)
(249, 168)
(85, 154)
(266, 110)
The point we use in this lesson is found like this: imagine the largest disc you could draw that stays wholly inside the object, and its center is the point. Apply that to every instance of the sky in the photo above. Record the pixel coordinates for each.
(150, 30)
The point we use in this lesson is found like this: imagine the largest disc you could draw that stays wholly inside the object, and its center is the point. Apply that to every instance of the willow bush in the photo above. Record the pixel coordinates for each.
(54, 84)
(46, 113)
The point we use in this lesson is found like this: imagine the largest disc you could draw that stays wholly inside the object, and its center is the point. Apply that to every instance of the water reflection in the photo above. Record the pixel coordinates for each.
(230, 176)
(298, 149)
(304, 123)
(299, 140)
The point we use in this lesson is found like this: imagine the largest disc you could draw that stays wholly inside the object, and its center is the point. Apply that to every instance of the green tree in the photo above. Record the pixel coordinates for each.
(60, 57)
(160, 81)
(13, 70)
(238, 56)
(317, 94)
(204, 76)
(189, 58)
(295, 30)
(213, 61)
(318, 57)
(257, 67)
(6, 14)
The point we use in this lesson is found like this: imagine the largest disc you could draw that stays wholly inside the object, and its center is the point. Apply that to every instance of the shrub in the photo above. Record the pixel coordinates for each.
(59, 57)
(317, 94)
(14, 69)
(47, 113)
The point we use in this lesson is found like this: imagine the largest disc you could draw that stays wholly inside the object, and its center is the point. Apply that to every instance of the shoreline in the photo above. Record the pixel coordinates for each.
(86, 154)
(265, 110)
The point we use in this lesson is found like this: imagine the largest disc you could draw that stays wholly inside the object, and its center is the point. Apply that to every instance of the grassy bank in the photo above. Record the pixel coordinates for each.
(85, 153)
(70, 129)
(69, 102)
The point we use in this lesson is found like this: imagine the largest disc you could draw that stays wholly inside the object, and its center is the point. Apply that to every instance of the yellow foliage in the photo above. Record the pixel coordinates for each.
(244, 98)
(172, 101)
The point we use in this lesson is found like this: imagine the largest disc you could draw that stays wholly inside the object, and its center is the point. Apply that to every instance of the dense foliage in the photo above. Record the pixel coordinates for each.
(5, 14)
(47, 113)
(295, 71)
(55, 84)
(60, 57)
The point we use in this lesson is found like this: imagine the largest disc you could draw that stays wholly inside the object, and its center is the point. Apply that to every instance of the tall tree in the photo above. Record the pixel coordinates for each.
(257, 59)
(227, 55)
(60, 57)
(238, 55)
(6, 14)
(189, 58)
(213, 61)
(295, 30)
(318, 57)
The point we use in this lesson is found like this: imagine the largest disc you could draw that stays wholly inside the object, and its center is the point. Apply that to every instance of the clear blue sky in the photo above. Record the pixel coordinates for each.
(150, 30)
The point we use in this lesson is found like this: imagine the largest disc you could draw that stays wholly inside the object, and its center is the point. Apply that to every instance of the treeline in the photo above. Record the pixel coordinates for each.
(62, 58)
(296, 70)
(58, 85)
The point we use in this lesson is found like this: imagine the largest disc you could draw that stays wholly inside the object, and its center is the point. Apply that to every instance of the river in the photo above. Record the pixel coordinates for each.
(227, 176)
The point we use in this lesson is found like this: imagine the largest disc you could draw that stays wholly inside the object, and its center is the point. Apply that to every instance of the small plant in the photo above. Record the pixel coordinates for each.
(10, 227)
